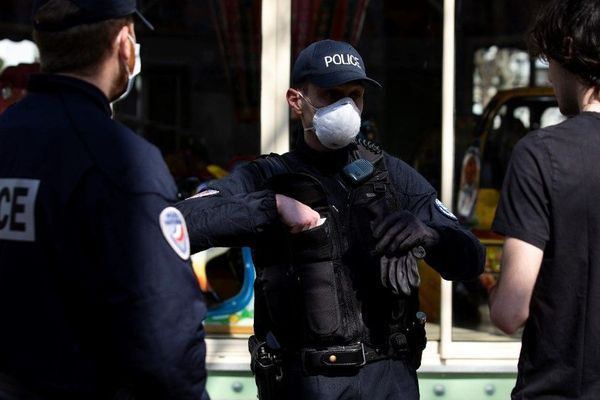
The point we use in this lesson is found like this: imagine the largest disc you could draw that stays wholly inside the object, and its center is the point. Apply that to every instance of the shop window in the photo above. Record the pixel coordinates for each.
(496, 69)
(198, 94)
(509, 116)
(18, 60)
(501, 95)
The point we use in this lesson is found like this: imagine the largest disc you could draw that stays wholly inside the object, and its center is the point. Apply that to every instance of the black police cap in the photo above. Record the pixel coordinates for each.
(91, 11)
(329, 63)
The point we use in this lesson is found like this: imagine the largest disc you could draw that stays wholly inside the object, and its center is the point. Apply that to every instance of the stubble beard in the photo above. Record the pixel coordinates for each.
(119, 85)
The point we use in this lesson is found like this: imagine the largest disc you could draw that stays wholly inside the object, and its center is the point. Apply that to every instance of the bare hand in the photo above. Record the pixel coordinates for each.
(296, 215)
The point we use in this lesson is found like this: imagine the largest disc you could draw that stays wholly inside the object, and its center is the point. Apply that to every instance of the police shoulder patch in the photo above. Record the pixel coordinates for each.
(175, 231)
(444, 210)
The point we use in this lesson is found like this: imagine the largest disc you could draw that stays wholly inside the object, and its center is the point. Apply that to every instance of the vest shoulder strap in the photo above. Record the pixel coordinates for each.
(370, 151)
(380, 182)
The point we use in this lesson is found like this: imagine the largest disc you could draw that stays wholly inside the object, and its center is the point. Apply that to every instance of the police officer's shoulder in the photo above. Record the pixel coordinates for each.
(368, 149)
(7, 111)
(406, 179)
(269, 165)
(132, 163)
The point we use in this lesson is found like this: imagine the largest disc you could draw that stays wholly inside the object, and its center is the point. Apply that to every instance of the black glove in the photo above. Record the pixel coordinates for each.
(402, 231)
(400, 274)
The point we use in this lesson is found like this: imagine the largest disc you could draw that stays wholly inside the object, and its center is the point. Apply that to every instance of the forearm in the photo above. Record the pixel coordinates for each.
(510, 298)
(508, 318)
(227, 221)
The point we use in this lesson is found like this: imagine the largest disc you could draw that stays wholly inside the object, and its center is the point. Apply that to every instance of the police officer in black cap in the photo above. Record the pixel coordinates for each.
(337, 227)
(97, 296)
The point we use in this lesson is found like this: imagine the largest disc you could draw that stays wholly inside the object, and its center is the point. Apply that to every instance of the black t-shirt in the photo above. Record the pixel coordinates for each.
(550, 199)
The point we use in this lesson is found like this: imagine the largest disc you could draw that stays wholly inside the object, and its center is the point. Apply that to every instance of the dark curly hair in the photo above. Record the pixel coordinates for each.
(568, 32)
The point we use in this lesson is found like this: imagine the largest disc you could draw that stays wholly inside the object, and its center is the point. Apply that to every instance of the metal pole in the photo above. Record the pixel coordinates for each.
(275, 75)
(448, 75)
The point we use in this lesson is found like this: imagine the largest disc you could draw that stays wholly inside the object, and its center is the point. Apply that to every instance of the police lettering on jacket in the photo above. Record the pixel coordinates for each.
(17, 202)
(342, 59)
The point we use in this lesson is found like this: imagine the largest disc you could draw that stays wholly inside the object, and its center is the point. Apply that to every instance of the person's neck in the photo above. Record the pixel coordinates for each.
(311, 141)
(591, 107)
(99, 78)
(589, 101)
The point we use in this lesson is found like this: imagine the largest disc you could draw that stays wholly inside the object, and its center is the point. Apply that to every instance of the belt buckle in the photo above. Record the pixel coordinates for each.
(364, 357)
(324, 360)
(351, 349)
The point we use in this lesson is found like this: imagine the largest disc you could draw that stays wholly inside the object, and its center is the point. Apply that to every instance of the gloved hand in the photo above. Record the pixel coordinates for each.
(401, 231)
(400, 274)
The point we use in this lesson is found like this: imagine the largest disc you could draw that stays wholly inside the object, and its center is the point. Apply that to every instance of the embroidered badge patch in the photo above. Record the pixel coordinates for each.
(174, 229)
(444, 210)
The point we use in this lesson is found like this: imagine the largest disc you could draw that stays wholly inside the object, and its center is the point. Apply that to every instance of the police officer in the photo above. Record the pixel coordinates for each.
(337, 226)
(548, 211)
(97, 296)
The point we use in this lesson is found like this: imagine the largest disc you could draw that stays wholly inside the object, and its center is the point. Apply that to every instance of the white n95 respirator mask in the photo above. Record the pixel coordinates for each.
(337, 124)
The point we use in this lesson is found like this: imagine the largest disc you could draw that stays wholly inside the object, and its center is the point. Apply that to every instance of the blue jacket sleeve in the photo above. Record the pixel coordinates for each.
(459, 255)
(232, 211)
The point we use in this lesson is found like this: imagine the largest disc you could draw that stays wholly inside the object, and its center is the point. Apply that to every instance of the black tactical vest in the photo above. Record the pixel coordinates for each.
(322, 287)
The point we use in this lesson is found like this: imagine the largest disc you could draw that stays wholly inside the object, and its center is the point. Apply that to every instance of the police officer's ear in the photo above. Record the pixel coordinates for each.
(125, 47)
(295, 102)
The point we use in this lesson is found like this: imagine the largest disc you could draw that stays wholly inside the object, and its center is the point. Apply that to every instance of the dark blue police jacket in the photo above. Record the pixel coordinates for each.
(97, 294)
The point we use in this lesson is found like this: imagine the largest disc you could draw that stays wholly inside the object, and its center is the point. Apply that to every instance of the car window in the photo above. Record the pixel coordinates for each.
(511, 122)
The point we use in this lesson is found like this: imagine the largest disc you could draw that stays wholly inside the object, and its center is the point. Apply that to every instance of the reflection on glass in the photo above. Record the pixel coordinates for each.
(495, 69)
(198, 97)
(509, 116)
(226, 277)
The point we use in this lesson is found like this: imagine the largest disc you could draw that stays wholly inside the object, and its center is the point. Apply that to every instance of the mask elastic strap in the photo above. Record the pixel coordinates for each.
(311, 128)
(307, 100)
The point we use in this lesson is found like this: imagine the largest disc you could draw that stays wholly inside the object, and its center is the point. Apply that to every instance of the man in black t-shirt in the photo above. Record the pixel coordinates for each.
(549, 213)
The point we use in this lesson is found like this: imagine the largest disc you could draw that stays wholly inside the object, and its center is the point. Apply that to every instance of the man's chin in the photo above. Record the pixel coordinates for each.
(114, 97)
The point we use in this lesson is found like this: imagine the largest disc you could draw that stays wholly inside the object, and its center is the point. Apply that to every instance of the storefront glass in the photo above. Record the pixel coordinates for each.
(199, 92)
(501, 94)
(198, 95)
(198, 99)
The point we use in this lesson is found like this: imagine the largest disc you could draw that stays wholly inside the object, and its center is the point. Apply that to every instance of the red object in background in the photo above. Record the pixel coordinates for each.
(326, 19)
(13, 83)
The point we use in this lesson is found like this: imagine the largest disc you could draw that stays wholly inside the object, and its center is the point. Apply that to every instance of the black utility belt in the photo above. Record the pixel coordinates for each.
(350, 356)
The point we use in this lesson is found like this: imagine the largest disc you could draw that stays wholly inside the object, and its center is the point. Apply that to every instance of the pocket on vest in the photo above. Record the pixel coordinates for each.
(320, 299)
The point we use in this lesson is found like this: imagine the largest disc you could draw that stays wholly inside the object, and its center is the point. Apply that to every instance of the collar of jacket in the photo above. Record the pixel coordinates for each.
(330, 161)
(54, 83)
